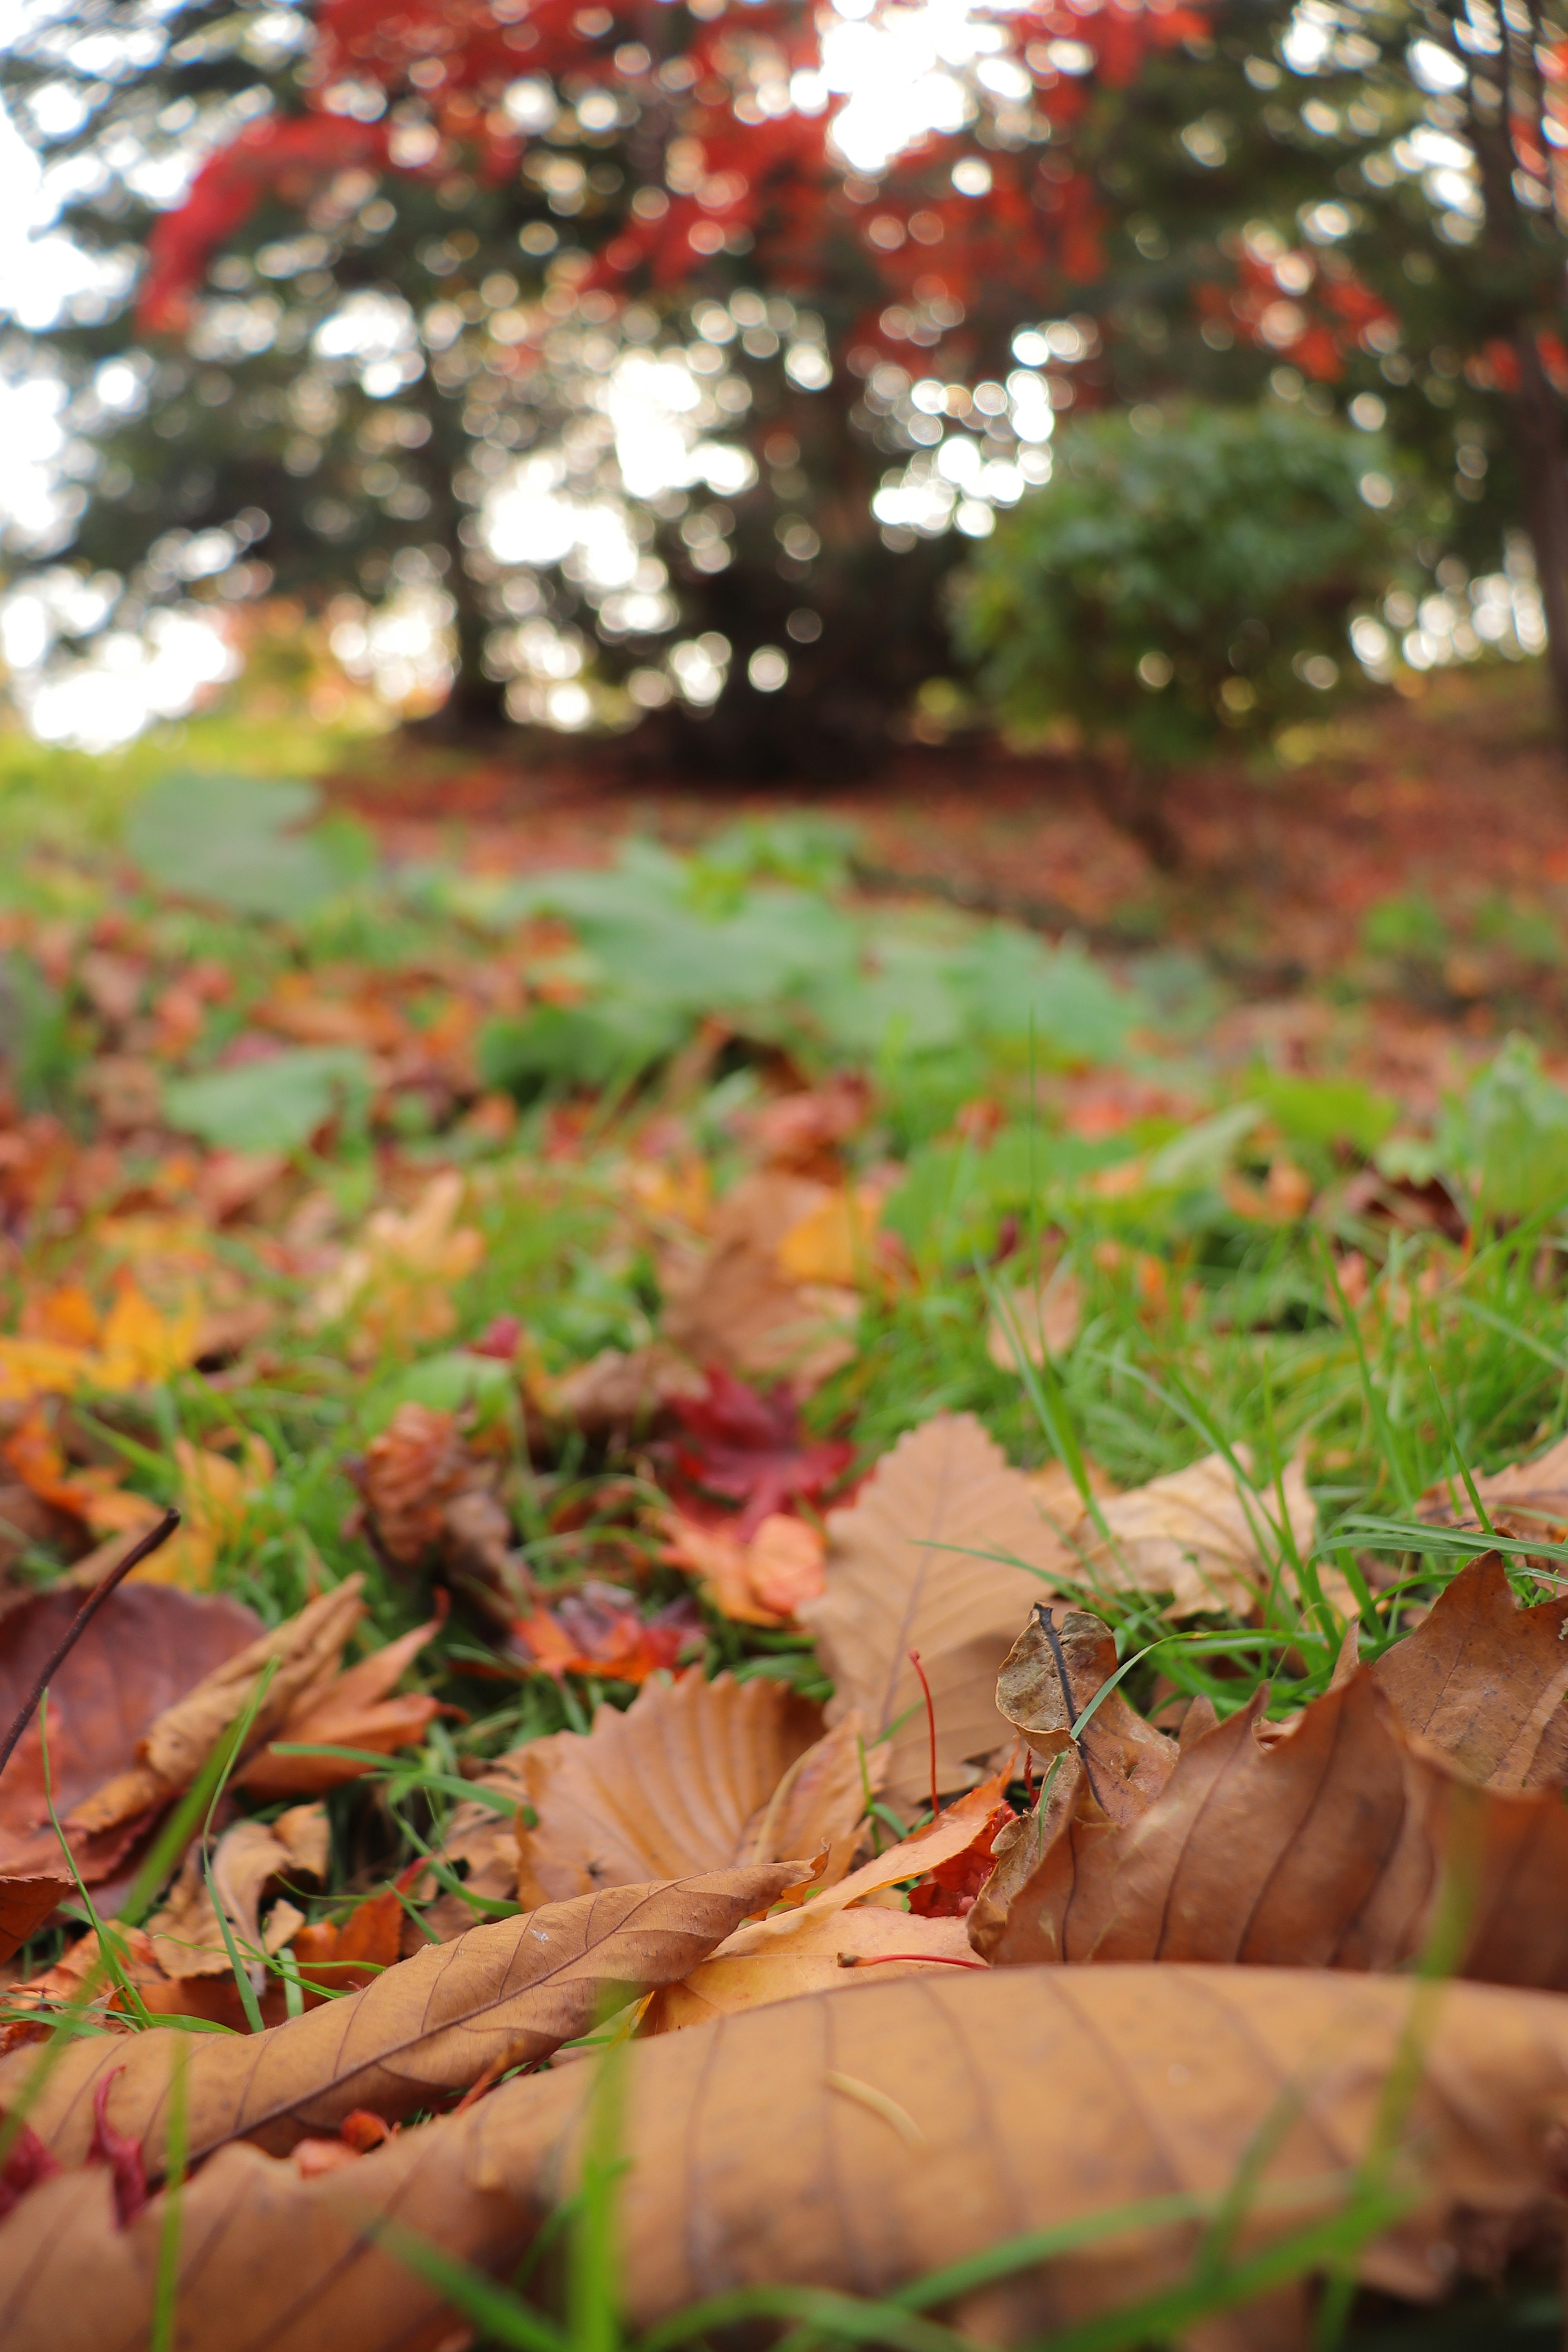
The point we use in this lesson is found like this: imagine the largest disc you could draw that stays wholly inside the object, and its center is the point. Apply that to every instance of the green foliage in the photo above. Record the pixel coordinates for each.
(1510, 1136)
(1178, 578)
(235, 840)
(272, 1106)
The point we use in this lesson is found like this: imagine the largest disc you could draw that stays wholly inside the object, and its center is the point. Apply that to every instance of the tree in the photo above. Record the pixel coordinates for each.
(1182, 575)
(602, 324)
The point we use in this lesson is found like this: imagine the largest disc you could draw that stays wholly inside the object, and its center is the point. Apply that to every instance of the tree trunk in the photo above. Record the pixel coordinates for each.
(1546, 492)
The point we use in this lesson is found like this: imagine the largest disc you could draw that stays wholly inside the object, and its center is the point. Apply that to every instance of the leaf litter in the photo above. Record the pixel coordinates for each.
(643, 1547)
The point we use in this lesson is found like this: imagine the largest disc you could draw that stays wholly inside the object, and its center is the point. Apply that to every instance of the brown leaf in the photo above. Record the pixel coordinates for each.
(807, 1950)
(923, 1560)
(910, 2125)
(186, 1932)
(1058, 1665)
(411, 1473)
(25, 1904)
(144, 1650)
(1318, 1843)
(1527, 1498)
(693, 1776)
(1205, 1538)
(1486, 1681)
(730, 1303)
(353, 1710)
(499, 1997)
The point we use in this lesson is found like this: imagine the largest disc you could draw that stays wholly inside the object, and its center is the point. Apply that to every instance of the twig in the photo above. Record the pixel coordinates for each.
(143, 1549)
(1047, 1625)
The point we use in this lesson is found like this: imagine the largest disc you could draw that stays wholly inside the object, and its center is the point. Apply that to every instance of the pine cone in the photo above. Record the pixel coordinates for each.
(411, 1473)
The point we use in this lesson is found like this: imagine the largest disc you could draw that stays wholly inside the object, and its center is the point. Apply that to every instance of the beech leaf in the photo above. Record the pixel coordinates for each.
(909, 2126)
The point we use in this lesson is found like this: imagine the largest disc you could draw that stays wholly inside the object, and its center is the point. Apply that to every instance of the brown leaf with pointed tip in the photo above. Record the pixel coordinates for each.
(142, 1652)
(1055, 1670)
(1526, 1499)
(807, 1950)
(1205, 1538)
(910, 2125)
(1486, 1681)
(729, 1302)
(925, 1559)
(1320, 1842)
(355, 1709)
(25, 1904)
(499, 1997)
(691, 1777)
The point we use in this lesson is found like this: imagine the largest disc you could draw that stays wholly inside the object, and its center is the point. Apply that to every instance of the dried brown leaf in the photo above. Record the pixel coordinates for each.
(691, 1777)
(1039, 1319)
(1204, 1537)
(353, 1710)
(502, 1995)
(25, 1904)
(1486, 1681)
(1056, 1668)
(1527, 1499)
(144, 1649)
(730, 1303)
(910, 2125)
(808, 1950)
(1318, 1842)
(926, 1558)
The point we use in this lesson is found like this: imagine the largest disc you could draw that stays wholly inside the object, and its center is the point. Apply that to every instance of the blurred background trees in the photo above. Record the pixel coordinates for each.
(655, 365)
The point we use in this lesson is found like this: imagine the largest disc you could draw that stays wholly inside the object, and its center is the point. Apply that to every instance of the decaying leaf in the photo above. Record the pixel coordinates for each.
(943, 1550)
(695, 1775)
(729, 1302)
(25, 1904)
(1321, 1841)
(140, 1654)
(186, 1934)
(1205, 1538)
(357, 1708)
(910, 2126)
(763, 1580)
(1486, 1681)
(809, 1953)
(1526, 1499)
(502, 1995)
(412, 1471)
(1058, 1665)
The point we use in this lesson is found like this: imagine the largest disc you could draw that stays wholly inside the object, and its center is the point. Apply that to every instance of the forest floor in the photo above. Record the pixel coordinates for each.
(552, 1232)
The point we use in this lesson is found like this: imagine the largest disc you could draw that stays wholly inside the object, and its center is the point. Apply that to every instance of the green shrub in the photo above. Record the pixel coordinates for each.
(1182, 578)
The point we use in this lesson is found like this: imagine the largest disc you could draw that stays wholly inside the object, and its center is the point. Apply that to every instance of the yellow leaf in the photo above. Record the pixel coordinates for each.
(832, 1242)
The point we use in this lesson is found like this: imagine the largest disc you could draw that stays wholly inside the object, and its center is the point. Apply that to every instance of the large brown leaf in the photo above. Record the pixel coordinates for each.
(859, 2139)
(1486, 1681)
(498, 1997)
(1206, 1538)
(144, 1650)
(1318, 1842)
(693, 1776)
(925, 1559)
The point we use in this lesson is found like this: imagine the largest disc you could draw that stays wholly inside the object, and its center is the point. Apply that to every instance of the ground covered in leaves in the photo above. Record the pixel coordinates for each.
(770, 1474)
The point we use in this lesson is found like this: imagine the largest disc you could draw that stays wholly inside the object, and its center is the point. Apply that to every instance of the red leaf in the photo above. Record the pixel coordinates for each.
(750, 1449)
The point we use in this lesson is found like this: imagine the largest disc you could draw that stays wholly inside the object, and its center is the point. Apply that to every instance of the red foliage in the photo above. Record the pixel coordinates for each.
(282, 156)
(750, 1449)
(947, 1892)
(775, 178)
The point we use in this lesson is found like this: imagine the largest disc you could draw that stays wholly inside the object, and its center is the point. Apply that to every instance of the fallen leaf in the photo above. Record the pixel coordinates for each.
(1316, 1843)
(411, 1472)
(501, 1996)
(1039, 1319)
(600, 1630)
(928, 1558)
(1526, 1499)
(809, 1953)
(186, 1932)
(750, 1449)
(764, 1582)
(910, 2124)
(144, 1650)
(25, 1904)
(616, 1391)
(1055, 1670)
(137, 1346)
(836, 1241)
(353, 1710)
(1205, 1538)
(694, 1776)
(1486, 1681)
(216, 1497)
(729, 1304)
(396, 1281)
